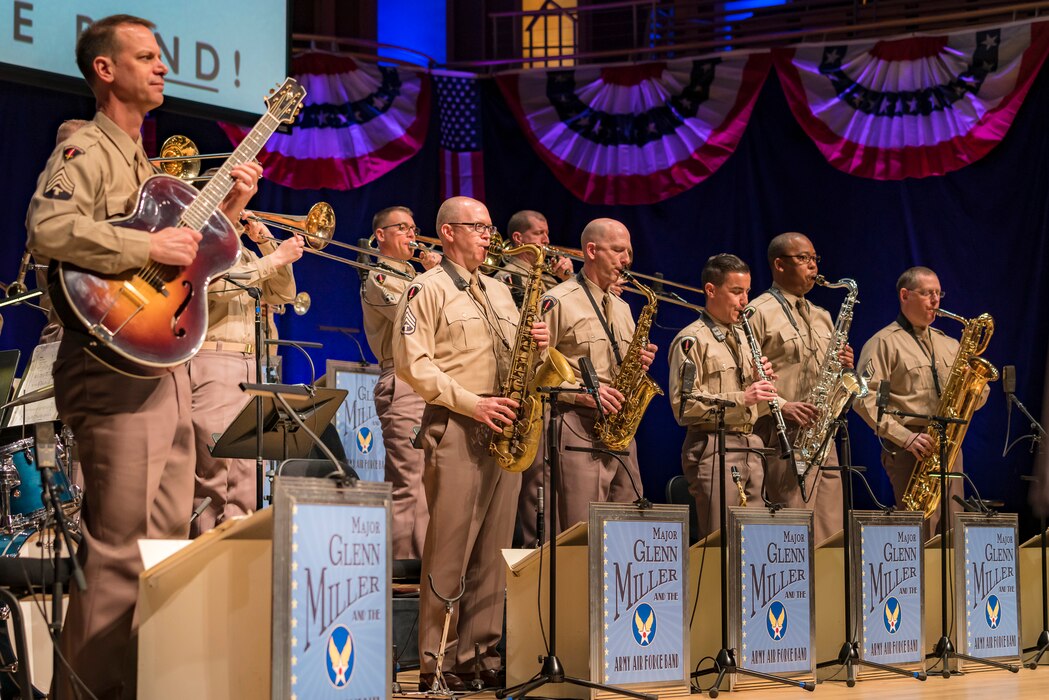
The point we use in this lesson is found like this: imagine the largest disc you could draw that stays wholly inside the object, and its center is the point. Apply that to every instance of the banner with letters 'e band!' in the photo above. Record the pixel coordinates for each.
(888, 584)
(985, 557)
(332, 568)
(638, 566)
(771, 610)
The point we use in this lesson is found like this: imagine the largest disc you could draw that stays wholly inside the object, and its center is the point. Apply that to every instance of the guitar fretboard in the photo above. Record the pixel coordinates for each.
(209, 199)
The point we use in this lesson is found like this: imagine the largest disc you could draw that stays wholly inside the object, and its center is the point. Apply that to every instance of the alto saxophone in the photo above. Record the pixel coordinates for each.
(515, 446)
(616, 430)
(836, 386)
(969, 375)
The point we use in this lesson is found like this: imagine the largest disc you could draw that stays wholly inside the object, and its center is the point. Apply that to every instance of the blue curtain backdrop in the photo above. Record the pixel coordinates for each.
(983, 229)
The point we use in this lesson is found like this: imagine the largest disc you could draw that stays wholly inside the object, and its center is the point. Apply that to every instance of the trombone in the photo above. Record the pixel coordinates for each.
(180, 157)
(317, 226)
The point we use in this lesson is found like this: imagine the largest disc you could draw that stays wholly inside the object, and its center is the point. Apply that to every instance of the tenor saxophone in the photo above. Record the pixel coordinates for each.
(969, 375)
(616, 430)
(836, 386)
(515, 446)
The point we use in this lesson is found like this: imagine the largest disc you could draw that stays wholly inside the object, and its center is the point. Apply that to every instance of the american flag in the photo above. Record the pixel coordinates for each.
(459, 114)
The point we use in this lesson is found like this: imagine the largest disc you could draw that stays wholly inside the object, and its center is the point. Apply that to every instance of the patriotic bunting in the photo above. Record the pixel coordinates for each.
(913, 107)
(636, 134)
(359, 121)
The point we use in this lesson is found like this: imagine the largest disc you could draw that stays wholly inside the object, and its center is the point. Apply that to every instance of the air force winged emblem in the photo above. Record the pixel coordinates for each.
(364, 440)
(340, 657)
(892, 615)
(644, 627)
(993, 611)
(777, 621)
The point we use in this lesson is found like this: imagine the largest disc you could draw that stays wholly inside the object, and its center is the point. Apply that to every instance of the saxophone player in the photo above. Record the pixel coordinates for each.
(399, 408)
(795, 334)
(453, 348)
(530, 227)
(721, 368)
(585, 318)
(915, 359)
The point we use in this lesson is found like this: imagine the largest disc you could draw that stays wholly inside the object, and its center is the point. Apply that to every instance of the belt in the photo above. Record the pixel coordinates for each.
(223, 346)
(386, 364)
(745, 429)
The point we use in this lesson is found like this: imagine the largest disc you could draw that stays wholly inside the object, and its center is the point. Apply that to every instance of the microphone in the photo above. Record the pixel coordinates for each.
(883, 399)
(590, 381)
(688, 378)
(1009, 379)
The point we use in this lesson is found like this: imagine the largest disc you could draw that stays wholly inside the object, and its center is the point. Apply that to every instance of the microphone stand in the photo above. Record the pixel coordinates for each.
(849, 655)
(944, 648)
(1042, 645)
(256, 294)
(725, 662)
(553, 672)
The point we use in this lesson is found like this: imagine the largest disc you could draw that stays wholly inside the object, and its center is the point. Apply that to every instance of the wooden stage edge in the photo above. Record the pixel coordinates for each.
(997, 685)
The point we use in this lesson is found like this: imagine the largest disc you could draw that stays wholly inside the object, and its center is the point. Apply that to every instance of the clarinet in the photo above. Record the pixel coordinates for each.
(785, 451)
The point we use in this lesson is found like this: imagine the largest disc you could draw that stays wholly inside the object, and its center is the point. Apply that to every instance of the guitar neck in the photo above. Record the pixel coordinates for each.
(209, 199)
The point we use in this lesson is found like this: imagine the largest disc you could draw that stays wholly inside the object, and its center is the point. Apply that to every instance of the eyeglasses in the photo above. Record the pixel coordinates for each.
(476, 226)
(804, 258)
(929, 293)
(403, 228)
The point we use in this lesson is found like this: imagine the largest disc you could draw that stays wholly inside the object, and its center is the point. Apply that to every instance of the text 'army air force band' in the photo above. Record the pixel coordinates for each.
(152, 286)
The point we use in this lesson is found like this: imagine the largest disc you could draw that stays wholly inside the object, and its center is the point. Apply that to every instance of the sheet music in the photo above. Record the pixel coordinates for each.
(37, 376)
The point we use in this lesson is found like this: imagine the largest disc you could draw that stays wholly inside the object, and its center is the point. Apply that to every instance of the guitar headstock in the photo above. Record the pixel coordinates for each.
(285, 102)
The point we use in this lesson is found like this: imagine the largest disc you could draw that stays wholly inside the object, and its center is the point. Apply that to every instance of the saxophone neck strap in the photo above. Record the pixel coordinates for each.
(927, 351)
(777, 294)
(600, 317)
(719, 335)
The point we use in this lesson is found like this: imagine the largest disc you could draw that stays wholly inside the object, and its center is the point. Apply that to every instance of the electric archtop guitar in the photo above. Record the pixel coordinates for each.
(157, 315)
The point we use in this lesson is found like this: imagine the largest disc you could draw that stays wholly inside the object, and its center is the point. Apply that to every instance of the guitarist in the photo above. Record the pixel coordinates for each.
(134, 434)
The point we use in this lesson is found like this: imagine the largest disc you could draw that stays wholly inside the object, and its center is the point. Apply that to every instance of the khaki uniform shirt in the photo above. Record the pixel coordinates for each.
(515, 273)
(231, 311)
(91, 177)
(454, 345)
(907, 366)
(379, 296)
(722, 371)
(575, 330)
(795, 353)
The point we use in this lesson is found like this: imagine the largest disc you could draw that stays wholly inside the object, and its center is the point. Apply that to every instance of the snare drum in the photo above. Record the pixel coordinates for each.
(27, 502)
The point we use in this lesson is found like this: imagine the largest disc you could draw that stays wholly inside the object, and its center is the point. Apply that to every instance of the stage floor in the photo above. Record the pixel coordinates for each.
(983, 685)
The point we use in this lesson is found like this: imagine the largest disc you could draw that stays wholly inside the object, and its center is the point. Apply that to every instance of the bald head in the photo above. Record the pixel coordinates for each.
(462, 243)
(794, 262)
(600, 229)
(782, 244)
(606, 251)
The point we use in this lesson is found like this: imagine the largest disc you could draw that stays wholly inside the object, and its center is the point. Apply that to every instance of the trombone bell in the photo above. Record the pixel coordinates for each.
(317, 225)
(184, 155)
(301, 304)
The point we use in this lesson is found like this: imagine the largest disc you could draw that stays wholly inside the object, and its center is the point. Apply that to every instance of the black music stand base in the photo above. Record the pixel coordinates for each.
(1041, 647)
(552, 671)
(849, 654)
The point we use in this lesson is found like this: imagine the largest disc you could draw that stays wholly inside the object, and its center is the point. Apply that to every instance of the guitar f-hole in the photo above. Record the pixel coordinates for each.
(180, 332)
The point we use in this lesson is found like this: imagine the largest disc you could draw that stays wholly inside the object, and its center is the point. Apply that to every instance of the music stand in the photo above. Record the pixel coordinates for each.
(282, 438)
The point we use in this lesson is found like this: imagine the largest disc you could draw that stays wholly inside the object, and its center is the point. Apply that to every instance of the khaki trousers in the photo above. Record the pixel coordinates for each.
(900, 466)
(587, 477)
(215, 378)
(472, 504)
(699, 462)
(400, 412)
(136, 451)
(823, 488)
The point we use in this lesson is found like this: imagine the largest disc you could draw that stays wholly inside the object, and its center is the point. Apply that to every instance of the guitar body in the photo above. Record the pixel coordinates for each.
(157, 315)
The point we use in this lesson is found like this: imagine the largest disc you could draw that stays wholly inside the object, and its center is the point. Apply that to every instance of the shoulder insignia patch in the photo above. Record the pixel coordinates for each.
(408, 327)
(546, 303)
(59, 186)
(380, 278)
(412, 291)
(72, 152)
(687, 343)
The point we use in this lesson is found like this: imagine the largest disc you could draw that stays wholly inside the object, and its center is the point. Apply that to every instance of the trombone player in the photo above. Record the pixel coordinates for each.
(227, 358)
(399, 408)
